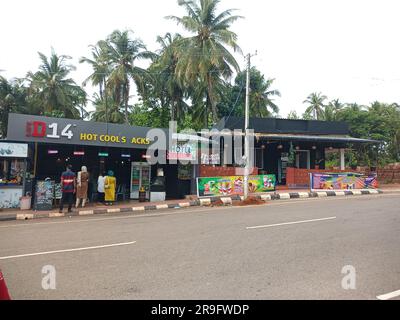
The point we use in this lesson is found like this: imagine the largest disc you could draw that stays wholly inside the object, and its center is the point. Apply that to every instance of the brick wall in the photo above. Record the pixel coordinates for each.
(389, 175)
(301, 178)
(210, 171)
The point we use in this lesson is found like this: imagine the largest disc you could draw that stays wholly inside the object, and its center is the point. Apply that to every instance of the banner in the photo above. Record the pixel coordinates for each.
(233, 185)
(342, 181)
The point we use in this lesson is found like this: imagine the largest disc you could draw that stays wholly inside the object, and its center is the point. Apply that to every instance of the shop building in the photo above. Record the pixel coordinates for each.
(57, 142)
(13, 165)
(39, 148)
(277, 140)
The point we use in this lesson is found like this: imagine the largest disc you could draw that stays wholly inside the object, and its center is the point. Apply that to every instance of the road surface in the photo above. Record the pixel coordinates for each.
(293, 249)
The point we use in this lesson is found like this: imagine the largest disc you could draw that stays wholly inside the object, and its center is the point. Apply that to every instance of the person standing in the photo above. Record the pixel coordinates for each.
(82, 186)
(68, 188)
(100, 186)
(109, 188)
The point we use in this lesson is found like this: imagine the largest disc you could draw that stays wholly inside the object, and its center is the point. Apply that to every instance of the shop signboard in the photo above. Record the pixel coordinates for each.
(233, 185)
(13, 150)
(210, 159)
(44, 195)
(185, 151)
(342, 181)
(29, 128)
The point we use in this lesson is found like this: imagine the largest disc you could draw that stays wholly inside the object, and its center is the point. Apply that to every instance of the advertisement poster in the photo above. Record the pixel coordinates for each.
(222, 186)
(44, 195)
(342, 181)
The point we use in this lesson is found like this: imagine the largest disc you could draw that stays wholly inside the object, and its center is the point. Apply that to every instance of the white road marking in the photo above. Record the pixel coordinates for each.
(289, 223)
(67, 250)
(388, 296)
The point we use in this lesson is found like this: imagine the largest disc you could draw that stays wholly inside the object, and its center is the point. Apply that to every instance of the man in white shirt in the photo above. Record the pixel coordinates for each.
(100, 187)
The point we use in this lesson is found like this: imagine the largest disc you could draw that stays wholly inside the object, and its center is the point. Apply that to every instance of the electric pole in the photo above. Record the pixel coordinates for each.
(246, 131)
(246, 127)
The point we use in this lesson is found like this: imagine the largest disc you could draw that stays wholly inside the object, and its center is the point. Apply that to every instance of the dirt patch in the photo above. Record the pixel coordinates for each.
(217, 203)
(250, 201)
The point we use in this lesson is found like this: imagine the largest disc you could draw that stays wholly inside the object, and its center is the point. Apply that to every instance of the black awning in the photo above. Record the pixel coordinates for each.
(288, 137)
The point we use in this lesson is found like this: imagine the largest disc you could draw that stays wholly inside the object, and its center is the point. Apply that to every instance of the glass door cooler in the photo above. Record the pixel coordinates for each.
(140, 178)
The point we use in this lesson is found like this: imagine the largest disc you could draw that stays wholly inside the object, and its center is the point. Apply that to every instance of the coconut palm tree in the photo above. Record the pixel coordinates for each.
(261, 94)
(163, 76)
(332, 109)
(109, 111)
(51, 90)
(205, 58)
(316, 105)
(121, 54)
(100, 66)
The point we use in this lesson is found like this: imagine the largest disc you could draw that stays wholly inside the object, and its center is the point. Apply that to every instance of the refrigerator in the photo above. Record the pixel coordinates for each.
(140, 177)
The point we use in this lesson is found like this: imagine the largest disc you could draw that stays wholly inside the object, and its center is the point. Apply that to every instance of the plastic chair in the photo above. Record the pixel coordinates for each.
(121, 192)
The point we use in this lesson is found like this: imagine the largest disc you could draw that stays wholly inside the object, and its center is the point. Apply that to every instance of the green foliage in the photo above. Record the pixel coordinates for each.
(107, 110)
(261, 103)
(145, 116)
(379, 121)
(12, 99)
(316, 106)
(50, 89)
(204, 61)
(293, 115)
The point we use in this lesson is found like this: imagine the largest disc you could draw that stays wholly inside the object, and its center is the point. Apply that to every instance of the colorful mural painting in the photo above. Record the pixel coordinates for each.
(233, 185)
(342, 181)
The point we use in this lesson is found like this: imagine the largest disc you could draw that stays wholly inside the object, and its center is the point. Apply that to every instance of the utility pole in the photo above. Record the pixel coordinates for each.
(246, 131)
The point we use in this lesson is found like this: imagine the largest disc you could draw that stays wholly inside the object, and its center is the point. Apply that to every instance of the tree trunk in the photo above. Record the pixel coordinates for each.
(207, 110)
(212, 102)
(126, 100)
(173, 110)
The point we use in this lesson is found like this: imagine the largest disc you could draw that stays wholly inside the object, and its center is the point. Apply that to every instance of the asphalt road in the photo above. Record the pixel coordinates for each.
(297, 250)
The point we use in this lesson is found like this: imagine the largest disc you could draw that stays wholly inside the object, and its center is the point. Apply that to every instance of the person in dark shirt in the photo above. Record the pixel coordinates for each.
(68, 188)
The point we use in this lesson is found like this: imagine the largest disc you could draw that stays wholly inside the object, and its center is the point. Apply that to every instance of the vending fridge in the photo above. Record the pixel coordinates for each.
(140, 177)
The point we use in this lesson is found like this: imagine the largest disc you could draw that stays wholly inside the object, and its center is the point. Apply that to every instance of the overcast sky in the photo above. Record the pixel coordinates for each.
(347, 49)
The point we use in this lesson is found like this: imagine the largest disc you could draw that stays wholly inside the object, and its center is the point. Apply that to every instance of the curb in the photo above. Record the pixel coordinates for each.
(195, 203)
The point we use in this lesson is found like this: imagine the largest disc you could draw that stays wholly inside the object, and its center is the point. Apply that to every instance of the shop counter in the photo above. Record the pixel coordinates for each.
(10, 196)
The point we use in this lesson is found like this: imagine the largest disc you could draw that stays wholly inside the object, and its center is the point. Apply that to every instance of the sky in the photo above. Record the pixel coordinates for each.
(346, 49)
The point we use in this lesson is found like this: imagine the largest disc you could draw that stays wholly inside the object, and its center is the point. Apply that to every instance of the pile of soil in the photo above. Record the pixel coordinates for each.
(218, 203)
(250, 201)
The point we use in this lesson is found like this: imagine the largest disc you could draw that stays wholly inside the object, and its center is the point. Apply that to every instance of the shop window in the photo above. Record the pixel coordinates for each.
(11, 171)
(3, 170)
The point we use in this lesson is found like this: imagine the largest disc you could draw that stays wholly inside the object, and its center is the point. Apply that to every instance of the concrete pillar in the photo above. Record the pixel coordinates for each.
(342, 162)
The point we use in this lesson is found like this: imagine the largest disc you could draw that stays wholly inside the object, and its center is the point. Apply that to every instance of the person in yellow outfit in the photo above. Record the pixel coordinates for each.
(110, 184)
